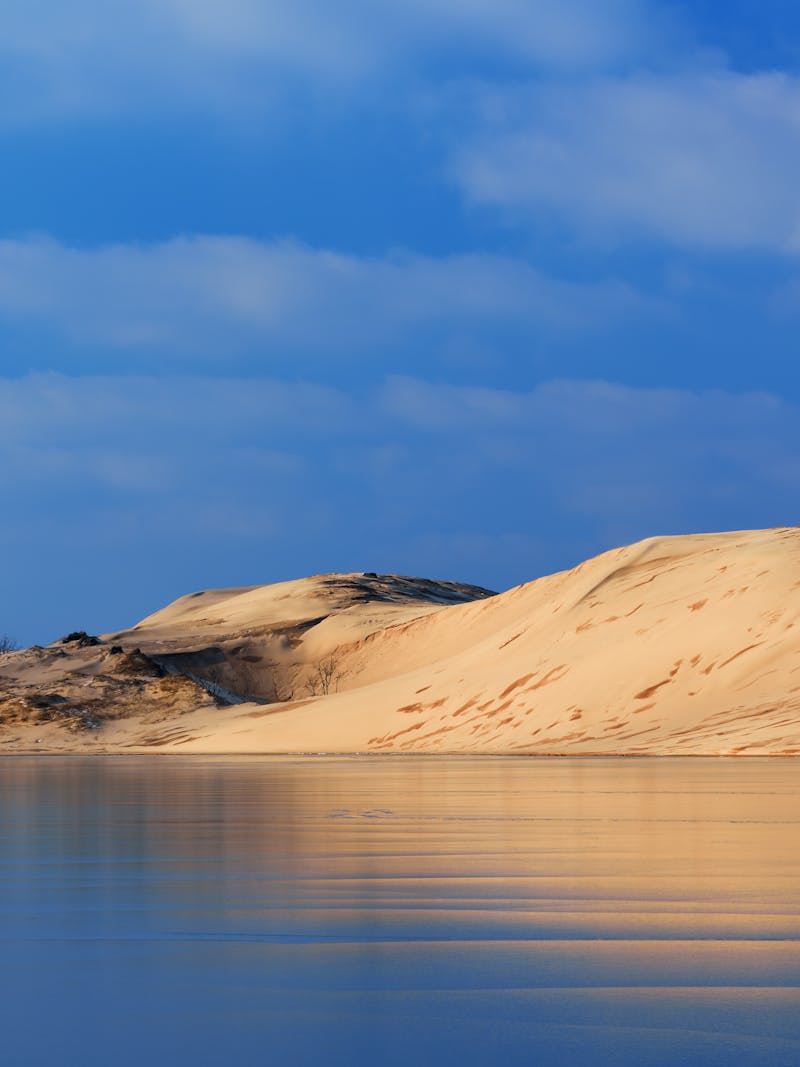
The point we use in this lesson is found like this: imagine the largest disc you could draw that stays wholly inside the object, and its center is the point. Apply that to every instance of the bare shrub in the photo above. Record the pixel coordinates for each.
(7, 644)
(325, 676)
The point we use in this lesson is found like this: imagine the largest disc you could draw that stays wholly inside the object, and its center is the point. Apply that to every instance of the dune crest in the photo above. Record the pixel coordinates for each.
(675, 645)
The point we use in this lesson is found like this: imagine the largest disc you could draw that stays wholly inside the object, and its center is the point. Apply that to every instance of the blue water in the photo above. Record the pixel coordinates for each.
(399, 911)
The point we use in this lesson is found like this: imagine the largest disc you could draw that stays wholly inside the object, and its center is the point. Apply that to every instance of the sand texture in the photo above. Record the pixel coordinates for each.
(675, 645)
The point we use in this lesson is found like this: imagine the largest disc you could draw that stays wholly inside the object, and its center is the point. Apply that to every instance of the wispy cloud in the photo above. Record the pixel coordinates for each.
(703, 160)
(567, 431)
(216, 295)
(615, 459)
(129, 57)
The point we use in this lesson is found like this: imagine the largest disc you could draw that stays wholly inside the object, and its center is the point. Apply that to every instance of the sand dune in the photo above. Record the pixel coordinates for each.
(675, 645)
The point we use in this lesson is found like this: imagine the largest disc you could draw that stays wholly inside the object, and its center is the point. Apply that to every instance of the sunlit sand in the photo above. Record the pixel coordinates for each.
(676, 645)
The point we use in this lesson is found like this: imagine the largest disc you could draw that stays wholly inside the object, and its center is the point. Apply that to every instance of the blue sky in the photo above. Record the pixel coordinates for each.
(448, 288)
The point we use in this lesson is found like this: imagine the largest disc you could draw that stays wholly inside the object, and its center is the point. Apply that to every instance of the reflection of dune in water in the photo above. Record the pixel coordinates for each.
(350, 911)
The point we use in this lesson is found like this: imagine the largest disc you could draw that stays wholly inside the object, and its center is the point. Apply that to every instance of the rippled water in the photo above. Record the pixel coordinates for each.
(398, 911)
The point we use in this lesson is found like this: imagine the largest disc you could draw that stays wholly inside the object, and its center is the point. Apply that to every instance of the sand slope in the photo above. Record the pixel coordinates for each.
(204, 651)
(678, 645)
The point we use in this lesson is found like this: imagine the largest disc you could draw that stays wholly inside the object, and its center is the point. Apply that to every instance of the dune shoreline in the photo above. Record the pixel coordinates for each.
(133, 753)
(673, 646)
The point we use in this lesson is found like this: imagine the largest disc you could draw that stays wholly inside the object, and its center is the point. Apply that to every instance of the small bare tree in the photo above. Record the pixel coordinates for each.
(326, 676)
(7, 644)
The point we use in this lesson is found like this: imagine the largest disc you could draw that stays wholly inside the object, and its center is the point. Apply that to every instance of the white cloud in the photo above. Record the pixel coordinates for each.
(101, 58)
(572, 33)
(217, 294)
(700, 160)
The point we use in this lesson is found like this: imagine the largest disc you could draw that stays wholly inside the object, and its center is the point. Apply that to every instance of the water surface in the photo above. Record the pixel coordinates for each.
(399, 910)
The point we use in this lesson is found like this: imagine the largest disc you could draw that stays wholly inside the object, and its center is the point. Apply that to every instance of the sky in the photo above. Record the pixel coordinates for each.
(446, 288)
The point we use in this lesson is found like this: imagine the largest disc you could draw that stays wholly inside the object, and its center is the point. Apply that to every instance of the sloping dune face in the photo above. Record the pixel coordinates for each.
(683, 645)
(676, 645)
(206, 651)
(268, 641)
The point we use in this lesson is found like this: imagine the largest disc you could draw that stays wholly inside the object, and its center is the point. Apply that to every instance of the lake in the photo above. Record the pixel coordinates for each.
(399, 911)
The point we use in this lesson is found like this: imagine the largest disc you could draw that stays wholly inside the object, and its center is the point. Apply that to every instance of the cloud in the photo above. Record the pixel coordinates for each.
(702, 160)
(122, 414)
(622, 461)
(133, 56)
(357, 33)
(223, 294)
(563, 433)
(334, 473)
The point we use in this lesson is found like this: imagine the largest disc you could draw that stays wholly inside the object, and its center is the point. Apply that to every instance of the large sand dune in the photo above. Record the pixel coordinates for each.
(675, 645)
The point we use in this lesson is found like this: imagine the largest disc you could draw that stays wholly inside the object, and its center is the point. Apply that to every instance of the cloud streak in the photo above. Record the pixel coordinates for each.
(93, 58)
(707, 160)
(561, 427)
(217, 295)
(199, 481)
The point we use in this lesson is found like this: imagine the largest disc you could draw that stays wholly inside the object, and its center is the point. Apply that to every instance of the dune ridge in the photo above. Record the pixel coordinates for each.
(672, 646)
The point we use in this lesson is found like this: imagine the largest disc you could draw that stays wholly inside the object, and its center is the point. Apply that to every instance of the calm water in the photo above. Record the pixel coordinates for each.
(397, 911)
